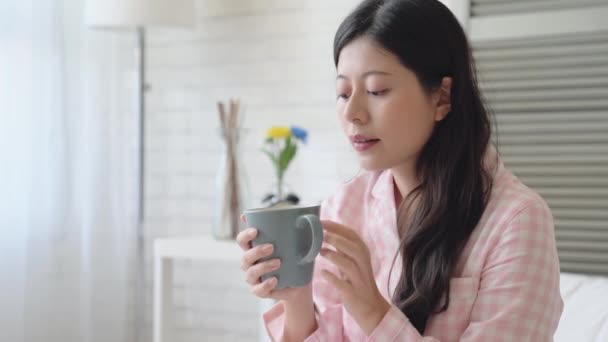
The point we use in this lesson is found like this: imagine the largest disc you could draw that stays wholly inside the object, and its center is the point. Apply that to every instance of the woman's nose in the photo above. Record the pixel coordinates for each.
(355, 111)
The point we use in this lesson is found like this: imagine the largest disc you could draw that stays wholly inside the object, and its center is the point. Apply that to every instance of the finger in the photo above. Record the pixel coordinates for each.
(357, 252)
(345, 264)
(341, 285)
(243, 218)
(263, 289)
(244, 238)
(253, 274)
(343, 245)
(254, 254)
(345, 239)
(336, 228)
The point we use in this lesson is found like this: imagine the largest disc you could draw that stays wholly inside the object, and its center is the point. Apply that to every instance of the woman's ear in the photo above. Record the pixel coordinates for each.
(444, 99)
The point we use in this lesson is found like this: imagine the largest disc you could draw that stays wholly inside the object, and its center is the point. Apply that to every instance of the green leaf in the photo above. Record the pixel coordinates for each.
(294, 149)
(283, 156)
(271, 156)
(286, 156)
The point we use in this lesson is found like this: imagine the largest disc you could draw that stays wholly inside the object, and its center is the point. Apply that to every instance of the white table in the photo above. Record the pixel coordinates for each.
(167, 250)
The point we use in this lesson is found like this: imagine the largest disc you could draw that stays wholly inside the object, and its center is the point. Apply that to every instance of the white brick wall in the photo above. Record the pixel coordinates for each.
(276, 56)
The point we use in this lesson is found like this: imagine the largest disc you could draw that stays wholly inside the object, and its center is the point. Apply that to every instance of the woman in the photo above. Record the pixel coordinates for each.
(437, 241)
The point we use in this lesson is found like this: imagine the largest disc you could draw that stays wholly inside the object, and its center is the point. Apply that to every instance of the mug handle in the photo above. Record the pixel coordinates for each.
(314, 224)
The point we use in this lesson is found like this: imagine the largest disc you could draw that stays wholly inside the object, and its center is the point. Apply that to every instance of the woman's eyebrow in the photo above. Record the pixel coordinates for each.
(365, 74)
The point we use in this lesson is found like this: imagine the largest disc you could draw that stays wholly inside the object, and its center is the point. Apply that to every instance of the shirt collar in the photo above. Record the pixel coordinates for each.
(383, 188)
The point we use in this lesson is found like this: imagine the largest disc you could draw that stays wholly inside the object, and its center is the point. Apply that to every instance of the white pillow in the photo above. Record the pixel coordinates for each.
(585, 315)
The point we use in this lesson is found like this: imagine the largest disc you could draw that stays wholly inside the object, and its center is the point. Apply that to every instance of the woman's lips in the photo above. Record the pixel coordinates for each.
(361, 146)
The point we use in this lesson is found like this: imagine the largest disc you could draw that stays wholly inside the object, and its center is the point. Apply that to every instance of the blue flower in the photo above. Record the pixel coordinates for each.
(299, 133)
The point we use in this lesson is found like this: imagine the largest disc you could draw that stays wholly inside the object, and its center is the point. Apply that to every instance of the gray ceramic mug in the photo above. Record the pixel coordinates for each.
(296, 234)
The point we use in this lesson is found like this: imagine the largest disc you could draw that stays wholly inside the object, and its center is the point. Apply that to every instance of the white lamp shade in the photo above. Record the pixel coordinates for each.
(139, 13)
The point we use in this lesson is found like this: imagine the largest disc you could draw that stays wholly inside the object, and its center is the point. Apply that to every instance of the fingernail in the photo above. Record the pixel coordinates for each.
(268, 248)
(250, 231)
(275, 263)
(272, 281)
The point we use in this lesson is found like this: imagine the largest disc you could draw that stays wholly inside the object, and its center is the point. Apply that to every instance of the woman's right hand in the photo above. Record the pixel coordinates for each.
(254, 270)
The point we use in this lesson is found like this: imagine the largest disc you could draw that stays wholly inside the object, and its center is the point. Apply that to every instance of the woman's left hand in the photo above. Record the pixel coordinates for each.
(356, 283)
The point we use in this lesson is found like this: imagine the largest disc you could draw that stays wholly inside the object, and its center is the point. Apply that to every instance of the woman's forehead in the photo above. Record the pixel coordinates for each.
(364, 48)
(364, 57)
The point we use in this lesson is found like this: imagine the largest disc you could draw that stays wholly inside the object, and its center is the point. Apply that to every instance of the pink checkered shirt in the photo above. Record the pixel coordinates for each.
(506, 281)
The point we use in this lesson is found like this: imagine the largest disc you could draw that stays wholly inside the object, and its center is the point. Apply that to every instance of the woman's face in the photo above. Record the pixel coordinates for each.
(382, 107)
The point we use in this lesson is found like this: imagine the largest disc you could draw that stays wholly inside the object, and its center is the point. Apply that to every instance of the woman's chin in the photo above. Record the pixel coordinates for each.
(371, 165)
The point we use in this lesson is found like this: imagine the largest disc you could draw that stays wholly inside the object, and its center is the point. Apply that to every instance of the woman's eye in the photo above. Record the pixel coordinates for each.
(378, 93)
(342, 96)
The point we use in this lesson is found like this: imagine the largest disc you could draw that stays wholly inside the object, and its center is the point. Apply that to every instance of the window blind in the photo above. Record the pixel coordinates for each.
(549, 94)
(500, 7)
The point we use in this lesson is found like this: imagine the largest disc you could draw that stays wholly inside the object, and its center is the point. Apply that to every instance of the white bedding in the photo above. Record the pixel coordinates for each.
(585, 316)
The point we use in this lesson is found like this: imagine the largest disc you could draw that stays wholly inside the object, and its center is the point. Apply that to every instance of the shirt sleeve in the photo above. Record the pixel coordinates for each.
(519, 297)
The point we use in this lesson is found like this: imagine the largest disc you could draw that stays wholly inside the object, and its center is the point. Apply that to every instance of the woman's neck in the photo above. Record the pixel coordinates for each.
(404, 181)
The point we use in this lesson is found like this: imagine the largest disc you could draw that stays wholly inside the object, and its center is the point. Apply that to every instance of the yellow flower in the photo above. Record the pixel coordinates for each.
(278, 132)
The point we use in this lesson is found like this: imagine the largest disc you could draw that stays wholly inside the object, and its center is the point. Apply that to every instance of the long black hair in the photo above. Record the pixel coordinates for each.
(455, 186)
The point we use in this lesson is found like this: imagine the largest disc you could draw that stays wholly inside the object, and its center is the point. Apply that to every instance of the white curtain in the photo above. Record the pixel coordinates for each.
(67, 176)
